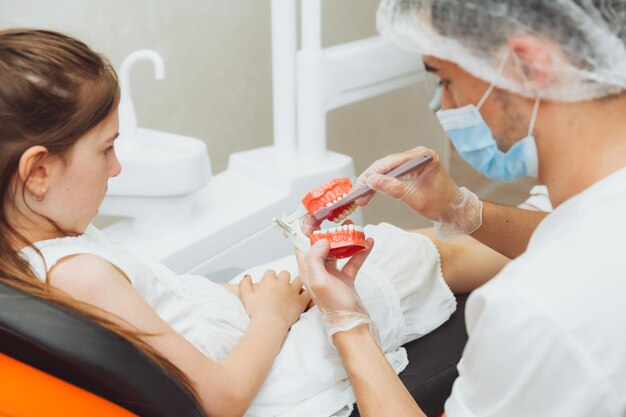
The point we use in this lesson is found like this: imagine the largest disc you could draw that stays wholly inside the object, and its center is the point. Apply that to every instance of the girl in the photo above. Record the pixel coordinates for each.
(58, 118)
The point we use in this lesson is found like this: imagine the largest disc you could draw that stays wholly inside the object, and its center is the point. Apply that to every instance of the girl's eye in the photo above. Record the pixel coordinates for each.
(107, 150)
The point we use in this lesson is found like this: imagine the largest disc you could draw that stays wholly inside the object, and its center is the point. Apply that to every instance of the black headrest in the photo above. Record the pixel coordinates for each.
(70, 347)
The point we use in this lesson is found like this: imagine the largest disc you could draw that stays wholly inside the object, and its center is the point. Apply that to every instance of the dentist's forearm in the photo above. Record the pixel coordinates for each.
(466, 263)
(379, 392)
(507, 230)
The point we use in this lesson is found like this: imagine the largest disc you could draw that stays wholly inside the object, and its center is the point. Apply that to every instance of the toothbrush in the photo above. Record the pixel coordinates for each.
(409, 166)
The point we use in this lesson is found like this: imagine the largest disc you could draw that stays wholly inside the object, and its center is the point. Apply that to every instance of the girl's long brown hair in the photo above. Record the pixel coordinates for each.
(53, 89)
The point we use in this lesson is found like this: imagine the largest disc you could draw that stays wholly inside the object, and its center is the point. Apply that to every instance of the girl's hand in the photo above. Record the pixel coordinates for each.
(274, 296)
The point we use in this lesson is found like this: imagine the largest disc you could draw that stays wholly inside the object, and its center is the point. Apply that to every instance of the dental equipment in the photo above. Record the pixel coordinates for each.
(345, 240)
(290, 225)
(178, 166)
(217, 225)
(397, 172)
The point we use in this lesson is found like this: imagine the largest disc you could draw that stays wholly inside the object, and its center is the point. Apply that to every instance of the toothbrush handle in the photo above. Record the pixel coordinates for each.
(411, 165)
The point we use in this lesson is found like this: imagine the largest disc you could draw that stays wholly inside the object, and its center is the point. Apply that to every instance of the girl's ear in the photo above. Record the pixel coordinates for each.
(34, 171)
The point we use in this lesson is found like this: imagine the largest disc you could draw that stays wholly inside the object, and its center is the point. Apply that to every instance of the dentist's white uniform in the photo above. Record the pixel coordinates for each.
(548, 334)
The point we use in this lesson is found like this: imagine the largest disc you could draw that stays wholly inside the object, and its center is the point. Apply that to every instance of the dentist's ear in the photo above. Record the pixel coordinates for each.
(33, 172)
(534, 59)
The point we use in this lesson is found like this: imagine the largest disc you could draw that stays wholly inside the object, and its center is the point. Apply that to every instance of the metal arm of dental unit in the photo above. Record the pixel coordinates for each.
(226, 225)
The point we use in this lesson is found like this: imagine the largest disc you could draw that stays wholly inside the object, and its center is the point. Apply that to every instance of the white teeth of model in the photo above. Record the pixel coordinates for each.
(334, 201)
(345, 195)
(317, 232)
(339, 198)
(345, 227)
(332, 229)
(351, 227)
(329, 204)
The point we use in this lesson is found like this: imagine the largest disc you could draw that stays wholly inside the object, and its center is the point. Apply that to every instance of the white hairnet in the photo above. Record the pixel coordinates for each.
(582, 42)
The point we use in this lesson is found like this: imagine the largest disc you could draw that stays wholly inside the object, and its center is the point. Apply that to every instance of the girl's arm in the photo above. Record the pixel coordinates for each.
(226, 388)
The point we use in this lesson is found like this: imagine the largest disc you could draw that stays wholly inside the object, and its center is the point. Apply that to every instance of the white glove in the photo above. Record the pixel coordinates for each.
(332, 289)
(429, 191)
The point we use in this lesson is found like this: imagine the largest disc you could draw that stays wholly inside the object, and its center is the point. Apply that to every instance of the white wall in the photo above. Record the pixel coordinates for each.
(218, 75)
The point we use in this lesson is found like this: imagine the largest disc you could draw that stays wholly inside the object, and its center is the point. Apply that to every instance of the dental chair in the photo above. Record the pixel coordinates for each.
(55, 363)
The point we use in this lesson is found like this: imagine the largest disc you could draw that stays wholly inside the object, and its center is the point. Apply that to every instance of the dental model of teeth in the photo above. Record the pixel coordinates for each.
(328, 194)
(345, 240)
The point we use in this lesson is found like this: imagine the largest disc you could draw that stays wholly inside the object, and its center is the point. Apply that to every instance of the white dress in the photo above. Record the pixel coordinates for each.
(401, 285)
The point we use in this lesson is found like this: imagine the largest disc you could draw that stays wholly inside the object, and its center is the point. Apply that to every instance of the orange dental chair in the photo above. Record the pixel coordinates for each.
(55, 363)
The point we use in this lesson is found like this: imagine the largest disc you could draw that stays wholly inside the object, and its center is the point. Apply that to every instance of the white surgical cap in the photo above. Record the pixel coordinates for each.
(583, 41)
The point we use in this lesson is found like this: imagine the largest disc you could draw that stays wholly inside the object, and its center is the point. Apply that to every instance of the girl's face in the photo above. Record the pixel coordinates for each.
(77, 183)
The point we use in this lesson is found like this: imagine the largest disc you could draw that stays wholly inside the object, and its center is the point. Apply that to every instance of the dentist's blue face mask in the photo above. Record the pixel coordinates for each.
(474, 141)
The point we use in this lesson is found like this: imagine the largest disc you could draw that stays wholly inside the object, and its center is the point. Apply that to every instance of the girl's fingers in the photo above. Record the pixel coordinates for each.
(269, 275)
(245, 286)
(284, 277)
(296, 283)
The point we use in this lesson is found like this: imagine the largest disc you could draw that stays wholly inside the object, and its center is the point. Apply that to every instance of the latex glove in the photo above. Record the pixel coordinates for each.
(309, 224)
(429, 191)
(333, 289)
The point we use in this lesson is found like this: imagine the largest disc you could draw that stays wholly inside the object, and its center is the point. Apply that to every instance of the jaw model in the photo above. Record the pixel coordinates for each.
(328, 194)
(346, 240)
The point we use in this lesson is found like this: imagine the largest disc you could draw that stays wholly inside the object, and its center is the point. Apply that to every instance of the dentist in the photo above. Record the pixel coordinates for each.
(530, 88)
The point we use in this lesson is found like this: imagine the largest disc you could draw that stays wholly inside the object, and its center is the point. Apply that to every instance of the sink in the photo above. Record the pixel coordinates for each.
(160, 164)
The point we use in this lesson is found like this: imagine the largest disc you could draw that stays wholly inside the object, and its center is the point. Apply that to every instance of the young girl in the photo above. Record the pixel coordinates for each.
(244, 349)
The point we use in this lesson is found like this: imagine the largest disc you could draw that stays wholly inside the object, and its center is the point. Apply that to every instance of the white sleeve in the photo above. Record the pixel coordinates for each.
(518, 363)
(539, 200)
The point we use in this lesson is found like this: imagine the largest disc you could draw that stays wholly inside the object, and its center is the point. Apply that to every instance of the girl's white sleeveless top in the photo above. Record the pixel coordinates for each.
(205, 313)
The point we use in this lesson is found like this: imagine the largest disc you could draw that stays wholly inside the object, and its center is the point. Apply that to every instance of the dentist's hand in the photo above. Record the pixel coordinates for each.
(309, 224)
(333, 289)
(429, 191)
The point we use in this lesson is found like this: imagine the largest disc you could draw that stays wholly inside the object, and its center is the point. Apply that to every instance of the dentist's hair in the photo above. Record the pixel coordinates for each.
(53, 89)
(580, 44)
